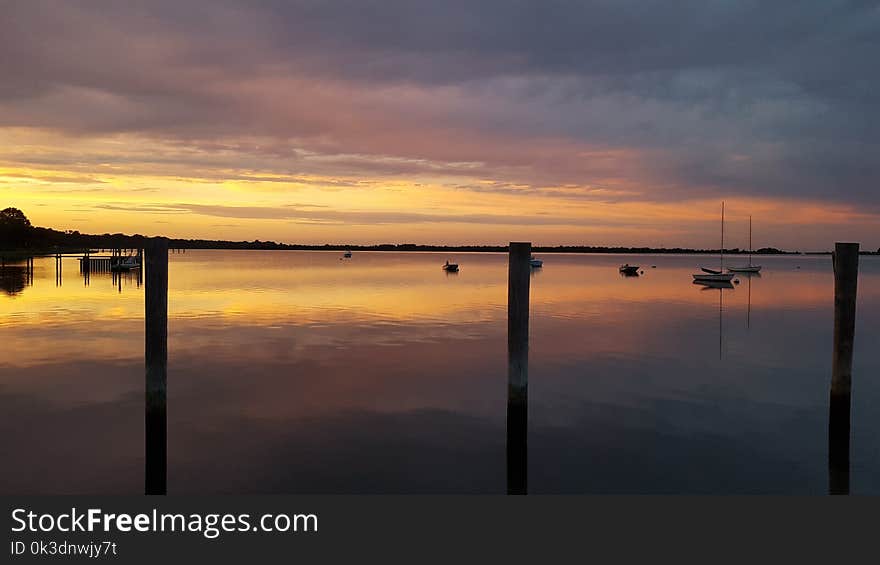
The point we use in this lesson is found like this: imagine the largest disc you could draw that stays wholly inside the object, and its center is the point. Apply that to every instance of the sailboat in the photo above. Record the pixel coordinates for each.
(712, 275)
(747, 268)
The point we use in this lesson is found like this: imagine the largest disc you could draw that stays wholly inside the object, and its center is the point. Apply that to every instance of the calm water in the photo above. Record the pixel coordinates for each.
(299, 372)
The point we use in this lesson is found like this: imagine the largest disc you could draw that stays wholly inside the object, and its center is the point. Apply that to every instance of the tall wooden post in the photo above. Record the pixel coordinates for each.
(518, 367)
(846, 276)
(140, 271)
(156, 359)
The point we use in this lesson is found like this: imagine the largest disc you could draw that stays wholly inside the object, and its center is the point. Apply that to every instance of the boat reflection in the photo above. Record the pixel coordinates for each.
(749, 277)
(720, 286)
(709, 285)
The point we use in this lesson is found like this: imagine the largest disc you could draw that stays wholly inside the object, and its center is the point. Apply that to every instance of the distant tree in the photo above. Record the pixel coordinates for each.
(15, 228)
(14, 217)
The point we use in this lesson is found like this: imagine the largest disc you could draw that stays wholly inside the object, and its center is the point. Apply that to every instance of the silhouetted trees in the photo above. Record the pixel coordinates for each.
(15, 229)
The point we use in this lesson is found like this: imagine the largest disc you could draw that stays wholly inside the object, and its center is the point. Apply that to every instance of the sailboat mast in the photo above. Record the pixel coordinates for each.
(722, 235)
(750, 241)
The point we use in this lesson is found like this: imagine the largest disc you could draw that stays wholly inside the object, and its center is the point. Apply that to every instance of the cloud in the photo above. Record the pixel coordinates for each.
(619, 99)
(311, 214)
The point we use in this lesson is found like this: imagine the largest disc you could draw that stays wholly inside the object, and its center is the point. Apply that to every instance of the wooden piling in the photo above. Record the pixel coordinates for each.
(156, 360)
(846, 275)
(518, 367)
(140, 270)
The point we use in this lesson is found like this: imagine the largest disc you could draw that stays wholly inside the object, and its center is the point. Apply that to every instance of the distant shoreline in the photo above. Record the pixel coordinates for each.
(138, 242)
(37, 241)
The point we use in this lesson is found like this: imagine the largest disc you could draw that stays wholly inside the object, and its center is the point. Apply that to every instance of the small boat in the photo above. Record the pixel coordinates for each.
(450, 267)
(536, 263)
(347, 254)
(126, 264)
(629, 270)
(747, 268)
(714, 278)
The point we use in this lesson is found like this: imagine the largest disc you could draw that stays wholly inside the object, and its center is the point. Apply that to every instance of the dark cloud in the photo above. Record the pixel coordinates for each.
(775, 99)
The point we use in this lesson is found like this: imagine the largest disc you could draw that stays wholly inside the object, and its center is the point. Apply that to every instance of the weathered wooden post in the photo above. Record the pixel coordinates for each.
(140, 271)
(846, 276)
(518, 367)
(156, 359)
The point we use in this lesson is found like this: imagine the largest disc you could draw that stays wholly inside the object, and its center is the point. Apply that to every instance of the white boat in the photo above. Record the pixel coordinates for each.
(450, 267)
(747, 268)
(713, 278)
(712, 275)
(129, 263)
(347, 254)
(536, 263)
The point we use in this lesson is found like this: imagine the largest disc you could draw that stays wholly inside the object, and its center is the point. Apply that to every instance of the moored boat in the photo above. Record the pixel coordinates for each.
(745, 269)
(129, 263)
(713, 277)
(450, 267)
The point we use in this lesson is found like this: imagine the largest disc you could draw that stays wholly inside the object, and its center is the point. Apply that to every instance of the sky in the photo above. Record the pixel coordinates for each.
(610, 122)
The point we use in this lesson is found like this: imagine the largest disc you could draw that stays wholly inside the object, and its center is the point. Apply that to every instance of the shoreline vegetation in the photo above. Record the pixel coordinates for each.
(18, 239)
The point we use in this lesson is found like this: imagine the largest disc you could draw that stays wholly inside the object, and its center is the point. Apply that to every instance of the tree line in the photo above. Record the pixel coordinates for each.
(18, 234)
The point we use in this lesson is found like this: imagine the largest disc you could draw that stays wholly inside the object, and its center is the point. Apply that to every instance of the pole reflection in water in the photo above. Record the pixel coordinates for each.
(518, 367)
(749, 277)
(838, 444)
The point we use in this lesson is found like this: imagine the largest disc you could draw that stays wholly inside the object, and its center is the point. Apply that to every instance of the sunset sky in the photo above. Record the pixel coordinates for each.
(455, 121)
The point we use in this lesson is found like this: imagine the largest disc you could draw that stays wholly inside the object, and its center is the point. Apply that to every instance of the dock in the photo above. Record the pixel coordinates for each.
(89, 263)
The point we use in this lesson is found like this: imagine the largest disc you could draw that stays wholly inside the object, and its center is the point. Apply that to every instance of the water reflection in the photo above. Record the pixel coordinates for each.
(15, 278)
(839, 418)
(720, 286)
(749, 277)
(297, 372)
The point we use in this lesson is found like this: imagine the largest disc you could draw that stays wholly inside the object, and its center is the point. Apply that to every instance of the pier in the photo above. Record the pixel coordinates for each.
(106, 263)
